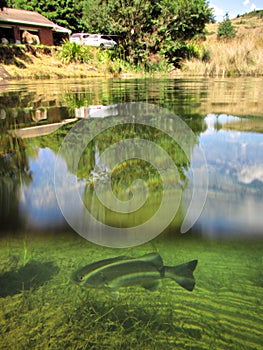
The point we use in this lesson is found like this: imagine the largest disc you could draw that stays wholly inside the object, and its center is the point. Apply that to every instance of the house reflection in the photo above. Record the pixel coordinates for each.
(40, 114)
(99, 111)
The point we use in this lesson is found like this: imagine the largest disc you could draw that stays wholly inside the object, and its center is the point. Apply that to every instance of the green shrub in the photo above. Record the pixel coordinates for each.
(193, 51)
(176, 51)
(206, 55)
(72, 52)
(226, 30)
(156, 63)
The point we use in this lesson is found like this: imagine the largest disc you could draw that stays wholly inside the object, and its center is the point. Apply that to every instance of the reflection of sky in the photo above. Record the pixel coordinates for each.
(38, 199)
(235, 167)
(235, 196)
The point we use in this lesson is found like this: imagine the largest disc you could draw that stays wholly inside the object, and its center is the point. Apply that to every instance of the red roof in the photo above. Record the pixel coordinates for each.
(11, 15)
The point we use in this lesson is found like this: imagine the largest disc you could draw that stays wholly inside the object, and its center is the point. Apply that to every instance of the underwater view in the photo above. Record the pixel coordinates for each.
(131, 214)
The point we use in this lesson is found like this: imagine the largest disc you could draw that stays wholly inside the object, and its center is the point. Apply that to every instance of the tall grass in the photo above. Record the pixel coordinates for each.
(100, 59)
(242, 55)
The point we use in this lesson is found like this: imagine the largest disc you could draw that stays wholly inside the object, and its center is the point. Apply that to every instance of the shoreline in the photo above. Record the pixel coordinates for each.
(21, 62)
(84, 71)
(240, 56)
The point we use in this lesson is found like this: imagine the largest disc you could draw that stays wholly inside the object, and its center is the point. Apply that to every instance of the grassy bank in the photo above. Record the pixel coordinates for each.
(38, 62)
(238, 56)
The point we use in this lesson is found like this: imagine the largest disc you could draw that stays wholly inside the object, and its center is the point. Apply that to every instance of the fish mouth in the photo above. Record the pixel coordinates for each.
(75, 277)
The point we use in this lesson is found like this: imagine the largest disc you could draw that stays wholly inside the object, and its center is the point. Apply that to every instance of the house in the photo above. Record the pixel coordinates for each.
(13, 22)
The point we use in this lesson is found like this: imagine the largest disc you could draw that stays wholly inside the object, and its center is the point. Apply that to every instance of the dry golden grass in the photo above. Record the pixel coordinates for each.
(241, 55)
(49, 66)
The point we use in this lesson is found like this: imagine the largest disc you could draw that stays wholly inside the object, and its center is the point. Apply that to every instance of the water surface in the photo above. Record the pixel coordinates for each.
(40, 250)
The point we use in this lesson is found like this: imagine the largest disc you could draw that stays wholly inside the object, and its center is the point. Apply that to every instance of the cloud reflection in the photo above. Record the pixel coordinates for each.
(38, 202)
(235, 166)
(248, 174)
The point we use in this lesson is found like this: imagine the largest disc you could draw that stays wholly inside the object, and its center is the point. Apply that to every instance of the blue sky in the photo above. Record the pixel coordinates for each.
(234, 7)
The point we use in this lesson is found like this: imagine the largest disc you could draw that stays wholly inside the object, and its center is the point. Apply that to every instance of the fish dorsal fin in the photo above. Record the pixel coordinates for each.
(152, 258)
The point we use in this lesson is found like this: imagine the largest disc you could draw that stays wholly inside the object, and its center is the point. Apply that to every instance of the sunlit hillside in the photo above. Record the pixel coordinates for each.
(241, 55)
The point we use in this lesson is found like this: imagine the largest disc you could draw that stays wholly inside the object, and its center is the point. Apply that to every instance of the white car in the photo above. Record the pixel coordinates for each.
(99, 40)
(78, 37)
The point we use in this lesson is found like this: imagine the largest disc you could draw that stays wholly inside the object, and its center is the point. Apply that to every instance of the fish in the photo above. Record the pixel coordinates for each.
(145, 271)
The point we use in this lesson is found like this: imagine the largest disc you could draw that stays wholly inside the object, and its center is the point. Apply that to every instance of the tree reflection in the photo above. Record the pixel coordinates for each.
(91, 169)
(26, 108)
(14, 171)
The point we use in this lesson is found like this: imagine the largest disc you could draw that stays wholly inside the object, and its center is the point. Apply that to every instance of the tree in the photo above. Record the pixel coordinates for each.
(67, 13)
(144, 28)
(148, 27)
(226, 30)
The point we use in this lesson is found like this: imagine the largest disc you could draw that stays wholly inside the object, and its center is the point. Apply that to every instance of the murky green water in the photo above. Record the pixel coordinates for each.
(41, 308)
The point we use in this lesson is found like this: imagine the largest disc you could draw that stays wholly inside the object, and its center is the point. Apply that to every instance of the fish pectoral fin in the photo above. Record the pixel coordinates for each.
(114, 294)
(151, 285)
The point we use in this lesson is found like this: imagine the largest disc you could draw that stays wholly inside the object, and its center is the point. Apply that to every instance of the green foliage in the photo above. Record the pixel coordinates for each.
(157, 63)
(180, 50)
(108, 59)
(144, 28)
(150, 27)
(72, 52)
(206, 55)
(193, 51)
(226, 30)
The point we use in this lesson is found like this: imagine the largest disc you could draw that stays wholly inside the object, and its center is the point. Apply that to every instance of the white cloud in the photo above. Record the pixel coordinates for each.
(218, 12)
(250, 173)
(252, 6)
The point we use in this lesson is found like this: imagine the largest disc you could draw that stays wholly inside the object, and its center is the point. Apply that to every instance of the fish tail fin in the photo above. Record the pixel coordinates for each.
(182, 274)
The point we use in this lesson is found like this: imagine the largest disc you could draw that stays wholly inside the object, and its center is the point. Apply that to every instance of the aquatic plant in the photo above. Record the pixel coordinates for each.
(26, 254)
(52, 312)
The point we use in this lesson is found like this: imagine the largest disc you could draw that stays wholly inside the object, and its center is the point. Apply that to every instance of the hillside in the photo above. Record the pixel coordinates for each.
(245, 25)
(241, 55)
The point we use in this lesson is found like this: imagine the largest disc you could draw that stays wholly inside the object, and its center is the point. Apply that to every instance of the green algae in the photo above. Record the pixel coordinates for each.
(41, 308)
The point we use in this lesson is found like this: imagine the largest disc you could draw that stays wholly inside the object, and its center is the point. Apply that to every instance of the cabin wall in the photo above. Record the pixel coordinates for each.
(45, 34)
(17, 34)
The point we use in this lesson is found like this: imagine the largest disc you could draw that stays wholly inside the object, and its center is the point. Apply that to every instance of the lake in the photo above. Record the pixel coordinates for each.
(97, 169)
